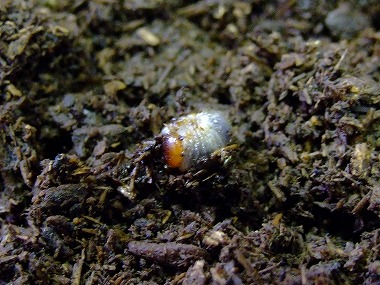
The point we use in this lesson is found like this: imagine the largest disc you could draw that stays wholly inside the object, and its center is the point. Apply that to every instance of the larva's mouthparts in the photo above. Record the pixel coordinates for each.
(173, 151)
(195, 136)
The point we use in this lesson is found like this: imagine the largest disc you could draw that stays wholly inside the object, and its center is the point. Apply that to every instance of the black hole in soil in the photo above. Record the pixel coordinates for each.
(376, 21)
(61, 143)
(224, 98)
(337, 223)
(15, 214)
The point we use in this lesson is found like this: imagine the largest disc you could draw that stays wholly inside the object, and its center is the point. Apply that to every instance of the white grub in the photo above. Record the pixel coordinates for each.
(195, 136)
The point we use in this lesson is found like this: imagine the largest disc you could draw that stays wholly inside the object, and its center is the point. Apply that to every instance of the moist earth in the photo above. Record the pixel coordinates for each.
(85, 89)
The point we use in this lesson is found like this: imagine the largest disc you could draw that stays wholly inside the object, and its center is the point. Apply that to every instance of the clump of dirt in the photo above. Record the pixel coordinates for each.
(86, 197)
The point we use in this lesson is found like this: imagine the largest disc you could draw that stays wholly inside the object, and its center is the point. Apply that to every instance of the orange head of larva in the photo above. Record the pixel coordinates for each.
(173, 151)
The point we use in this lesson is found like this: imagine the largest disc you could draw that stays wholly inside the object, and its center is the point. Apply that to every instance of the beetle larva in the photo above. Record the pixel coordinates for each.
(191, 137)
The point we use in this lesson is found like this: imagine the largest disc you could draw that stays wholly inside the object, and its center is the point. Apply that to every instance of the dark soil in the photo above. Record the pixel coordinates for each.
(86, 87)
